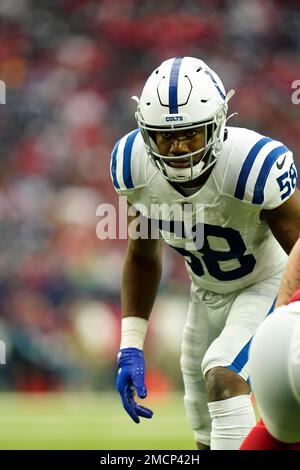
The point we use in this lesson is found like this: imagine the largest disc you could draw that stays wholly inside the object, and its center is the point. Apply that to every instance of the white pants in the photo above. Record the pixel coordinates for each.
(218, 332)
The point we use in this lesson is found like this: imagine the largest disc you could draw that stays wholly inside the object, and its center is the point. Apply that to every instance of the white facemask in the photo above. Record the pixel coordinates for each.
(184, 173)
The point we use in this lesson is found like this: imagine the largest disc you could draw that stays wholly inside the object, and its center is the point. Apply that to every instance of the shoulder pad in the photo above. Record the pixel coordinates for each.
(251, 174)
(128, 162)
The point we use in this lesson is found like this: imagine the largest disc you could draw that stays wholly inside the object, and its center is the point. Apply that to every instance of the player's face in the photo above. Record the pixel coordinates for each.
(171, 143)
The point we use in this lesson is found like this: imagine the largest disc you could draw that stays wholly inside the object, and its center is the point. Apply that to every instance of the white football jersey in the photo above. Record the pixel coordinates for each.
(225, 243)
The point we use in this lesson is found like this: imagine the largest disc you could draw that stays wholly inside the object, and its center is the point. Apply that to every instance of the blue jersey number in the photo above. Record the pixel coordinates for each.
(212, 258)
(287, 181)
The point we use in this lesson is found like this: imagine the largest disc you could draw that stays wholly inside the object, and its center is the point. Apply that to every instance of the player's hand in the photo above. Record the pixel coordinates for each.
(131, 379)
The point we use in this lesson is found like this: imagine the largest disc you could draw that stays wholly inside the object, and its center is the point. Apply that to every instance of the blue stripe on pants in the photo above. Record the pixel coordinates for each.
(241, 359)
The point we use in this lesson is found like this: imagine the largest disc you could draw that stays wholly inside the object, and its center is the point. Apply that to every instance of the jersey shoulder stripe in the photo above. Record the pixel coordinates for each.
(127, 178)
(113, 166)
(247, 167)
(258, 193)
(248, 172)
(121, 162)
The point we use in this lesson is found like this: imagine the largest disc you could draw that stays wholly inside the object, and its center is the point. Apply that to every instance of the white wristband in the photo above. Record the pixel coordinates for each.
(133, 332)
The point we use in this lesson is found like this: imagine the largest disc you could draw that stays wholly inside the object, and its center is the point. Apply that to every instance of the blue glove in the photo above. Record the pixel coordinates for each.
(131, 379)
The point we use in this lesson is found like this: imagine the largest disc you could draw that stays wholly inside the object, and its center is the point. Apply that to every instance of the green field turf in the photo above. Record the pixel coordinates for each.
(90, 421)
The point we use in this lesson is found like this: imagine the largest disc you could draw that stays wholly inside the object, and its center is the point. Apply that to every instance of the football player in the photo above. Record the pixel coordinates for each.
(245, 217)
(274, 364)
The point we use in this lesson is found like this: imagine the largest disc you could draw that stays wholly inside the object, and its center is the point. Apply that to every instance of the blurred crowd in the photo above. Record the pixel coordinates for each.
(70, 68)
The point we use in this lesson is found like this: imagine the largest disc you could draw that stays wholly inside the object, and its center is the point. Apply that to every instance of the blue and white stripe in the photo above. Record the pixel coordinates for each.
(173, 85)
(113, 165)
(258, 193)
(209, 73)
(240, 361)
(256, 169)
(121, 161)
(247, 167)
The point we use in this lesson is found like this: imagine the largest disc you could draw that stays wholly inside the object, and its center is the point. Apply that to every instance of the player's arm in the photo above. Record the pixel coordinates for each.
(284, 221)
(140, 281)
(141, 275)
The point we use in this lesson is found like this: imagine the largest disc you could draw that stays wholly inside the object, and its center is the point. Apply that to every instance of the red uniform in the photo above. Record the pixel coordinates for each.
(260, 439)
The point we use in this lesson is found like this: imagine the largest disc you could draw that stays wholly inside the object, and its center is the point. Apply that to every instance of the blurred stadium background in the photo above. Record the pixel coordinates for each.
(70, 67)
